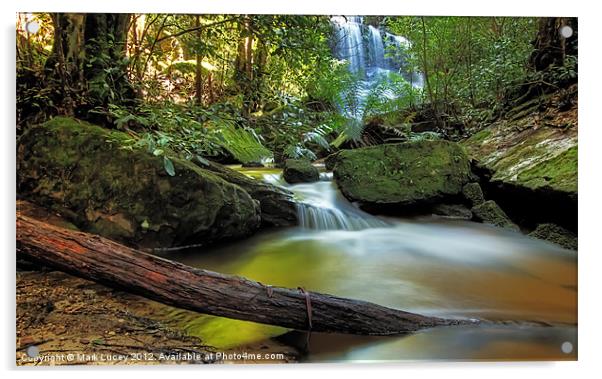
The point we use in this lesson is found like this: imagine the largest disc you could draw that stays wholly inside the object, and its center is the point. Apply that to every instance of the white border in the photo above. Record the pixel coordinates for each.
(590, 119)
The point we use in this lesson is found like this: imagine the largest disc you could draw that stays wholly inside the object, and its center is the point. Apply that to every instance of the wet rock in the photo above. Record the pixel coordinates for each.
(300, 171)
(473, 193)
(83, 172)
(556, 234)
(405, 175)
(454, 211)
(490, 213)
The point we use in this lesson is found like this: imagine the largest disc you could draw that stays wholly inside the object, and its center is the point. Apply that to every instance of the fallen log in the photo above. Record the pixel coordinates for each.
(104, 261)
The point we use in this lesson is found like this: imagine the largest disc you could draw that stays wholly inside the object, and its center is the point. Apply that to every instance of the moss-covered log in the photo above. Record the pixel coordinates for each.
(107, 262)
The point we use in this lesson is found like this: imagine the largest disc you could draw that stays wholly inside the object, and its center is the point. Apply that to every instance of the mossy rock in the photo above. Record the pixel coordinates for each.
(556, 234)
(405, 174)
(85, 173)
(452, 211)
(473, 193)
(533, 158)
(330, 161)
(300, 171)
(490, 213)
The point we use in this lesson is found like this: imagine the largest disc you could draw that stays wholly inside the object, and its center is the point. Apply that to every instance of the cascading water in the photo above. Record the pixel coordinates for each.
(431, 266)
(321, 206)
(372, 56)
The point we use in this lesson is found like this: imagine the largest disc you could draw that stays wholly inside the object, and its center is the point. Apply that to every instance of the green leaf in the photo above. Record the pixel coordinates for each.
(158, 152)
(169, 168)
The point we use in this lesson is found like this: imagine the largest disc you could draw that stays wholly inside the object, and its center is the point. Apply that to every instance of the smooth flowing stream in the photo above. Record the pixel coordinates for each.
(524, 289)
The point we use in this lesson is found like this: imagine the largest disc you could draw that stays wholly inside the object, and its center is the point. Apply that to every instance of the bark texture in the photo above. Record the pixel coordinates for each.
(107, 262)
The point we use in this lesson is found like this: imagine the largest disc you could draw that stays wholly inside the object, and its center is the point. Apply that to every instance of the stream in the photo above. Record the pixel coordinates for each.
(524, 290)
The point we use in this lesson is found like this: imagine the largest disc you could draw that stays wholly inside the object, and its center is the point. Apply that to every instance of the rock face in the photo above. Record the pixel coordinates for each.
(473, 194)
(490, 213)
(83, 172)
(300, 171)
(530, 171)
(276, 203)
(406, 174)
(555, 234)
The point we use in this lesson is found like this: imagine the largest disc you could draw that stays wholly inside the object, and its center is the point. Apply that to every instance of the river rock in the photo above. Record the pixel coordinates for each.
(556, 234)
(454, 211)
(300, 171)
(84, 173)
(490, 213)
(473, 193)
(404, 174)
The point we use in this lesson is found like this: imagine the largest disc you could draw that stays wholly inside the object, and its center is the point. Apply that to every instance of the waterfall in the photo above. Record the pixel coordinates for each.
(372, 55)
(377, 47)
(350, 42)
(320, 218)
(321, 206)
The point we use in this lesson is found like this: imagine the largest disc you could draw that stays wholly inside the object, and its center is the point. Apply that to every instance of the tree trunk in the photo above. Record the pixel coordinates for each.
(107, 262)
(198, 72)
(65, 66)
(550, 46)
(87, 65)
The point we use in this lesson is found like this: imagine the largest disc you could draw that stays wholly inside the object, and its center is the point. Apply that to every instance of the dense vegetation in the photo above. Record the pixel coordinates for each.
(252, 87)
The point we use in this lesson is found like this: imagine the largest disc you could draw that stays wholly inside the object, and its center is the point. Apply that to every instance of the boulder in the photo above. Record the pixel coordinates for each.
(527, 165)
(406, 174)
(277, 205)
(91, 177)
(490, 213)
(473, 193)
(300, 171)
(453, 211)
(555, 234)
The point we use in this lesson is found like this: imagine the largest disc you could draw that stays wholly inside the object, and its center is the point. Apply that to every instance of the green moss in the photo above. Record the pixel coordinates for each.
(559, 173)
(490, 213)
(300, 171)
(479, 137)
(405, 173)
(84, 169)
(556, 234)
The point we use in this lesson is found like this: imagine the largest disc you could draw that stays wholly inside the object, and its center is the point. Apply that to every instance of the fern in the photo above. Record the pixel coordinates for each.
(243, 144)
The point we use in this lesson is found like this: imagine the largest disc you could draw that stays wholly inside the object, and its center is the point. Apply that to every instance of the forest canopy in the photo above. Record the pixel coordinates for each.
(248, 88)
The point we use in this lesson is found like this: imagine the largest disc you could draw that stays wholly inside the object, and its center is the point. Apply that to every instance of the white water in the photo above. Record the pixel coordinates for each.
(429, 266)
(372, 55)
(322, 207)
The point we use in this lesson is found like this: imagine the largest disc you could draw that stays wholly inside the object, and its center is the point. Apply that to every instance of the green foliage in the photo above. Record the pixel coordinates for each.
(392, 93)
(242, 143)
(468, 61)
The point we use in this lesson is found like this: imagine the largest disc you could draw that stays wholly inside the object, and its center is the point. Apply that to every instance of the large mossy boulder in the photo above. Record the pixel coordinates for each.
(528, 169)
(84, 172)
(300, 171)
(406, 174)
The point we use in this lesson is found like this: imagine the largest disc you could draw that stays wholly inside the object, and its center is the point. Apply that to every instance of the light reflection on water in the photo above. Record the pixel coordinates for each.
(430, 266)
